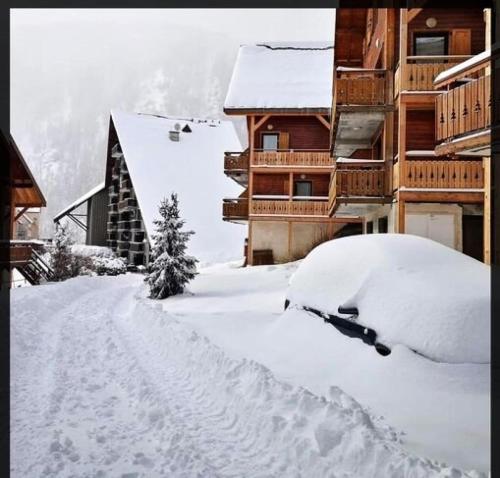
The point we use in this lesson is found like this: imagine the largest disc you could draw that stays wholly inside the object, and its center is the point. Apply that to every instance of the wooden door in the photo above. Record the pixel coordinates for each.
(460, 42)
(284, 141)
(472, 236)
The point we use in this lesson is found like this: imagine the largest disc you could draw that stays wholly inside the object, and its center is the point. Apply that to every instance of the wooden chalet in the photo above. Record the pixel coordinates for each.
(284, 92)
(24, 193)
(411, 115)
(147, 158)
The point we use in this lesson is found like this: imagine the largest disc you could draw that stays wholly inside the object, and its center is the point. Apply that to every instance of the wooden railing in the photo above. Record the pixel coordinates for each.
(235, 208)
(360, 87)
(446, 174)
(318, 158)
(289, 208)
(419, 72)
(236, 161)
(360, 182)
(464, 109)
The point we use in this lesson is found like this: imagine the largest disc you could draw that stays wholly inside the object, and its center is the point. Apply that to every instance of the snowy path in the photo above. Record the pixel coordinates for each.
(105, 384)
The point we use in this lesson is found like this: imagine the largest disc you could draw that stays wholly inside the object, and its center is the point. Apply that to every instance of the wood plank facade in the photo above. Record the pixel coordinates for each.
(394, 101)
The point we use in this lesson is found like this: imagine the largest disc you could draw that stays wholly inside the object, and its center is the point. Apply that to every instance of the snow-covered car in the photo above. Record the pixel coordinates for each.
(399, 289)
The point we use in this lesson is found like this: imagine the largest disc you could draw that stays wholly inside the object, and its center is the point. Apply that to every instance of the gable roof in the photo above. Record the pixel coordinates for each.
(25, 189)
(80, 201)
(192, 167)
(289, 76)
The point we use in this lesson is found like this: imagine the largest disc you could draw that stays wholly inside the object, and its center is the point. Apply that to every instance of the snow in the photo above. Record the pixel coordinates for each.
(193, 168)
(410, 290)
(91, 251)
(465, 65)
(282, 75)
(80, 200)
(220, 382)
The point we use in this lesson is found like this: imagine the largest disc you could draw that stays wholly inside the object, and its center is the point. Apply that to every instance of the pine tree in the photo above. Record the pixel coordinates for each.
(61, 257)
(171, 268)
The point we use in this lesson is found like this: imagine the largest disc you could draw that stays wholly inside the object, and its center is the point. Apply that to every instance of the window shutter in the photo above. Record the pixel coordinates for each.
(460, 42)
(284, 141)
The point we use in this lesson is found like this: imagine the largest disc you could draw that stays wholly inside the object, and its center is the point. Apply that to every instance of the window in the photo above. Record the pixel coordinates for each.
(430, 44)
(302, 188)
(369, 227)
(382, 224)
(270, 141)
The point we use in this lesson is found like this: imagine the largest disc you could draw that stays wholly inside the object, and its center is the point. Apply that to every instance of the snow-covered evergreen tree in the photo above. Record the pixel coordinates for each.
(170, 268)
(61, 257)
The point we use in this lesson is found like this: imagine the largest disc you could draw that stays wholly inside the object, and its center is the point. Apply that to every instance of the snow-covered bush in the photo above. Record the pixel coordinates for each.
(171, 268)
(99, 260)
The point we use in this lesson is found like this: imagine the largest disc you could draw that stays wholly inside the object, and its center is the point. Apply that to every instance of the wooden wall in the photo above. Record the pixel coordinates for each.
(278, 184)
(449, 19)
(420, 130)
(306, 132)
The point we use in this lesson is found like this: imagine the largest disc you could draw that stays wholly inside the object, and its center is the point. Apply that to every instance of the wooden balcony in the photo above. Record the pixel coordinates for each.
(360, 87)
(419, 72)
(235, 161)
(442, 174)
(464, 109)
(310, 208)
(293, 158)
(235, 209)
(357, 185)
(236, 166)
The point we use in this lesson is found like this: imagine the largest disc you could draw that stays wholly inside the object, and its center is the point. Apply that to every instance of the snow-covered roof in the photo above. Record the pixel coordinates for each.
(282, 76)
(192, 167)
(80, 201)
(465, 65)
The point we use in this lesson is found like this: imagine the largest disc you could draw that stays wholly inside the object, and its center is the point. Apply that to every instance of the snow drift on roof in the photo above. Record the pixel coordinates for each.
(282, 75)
(192, 167)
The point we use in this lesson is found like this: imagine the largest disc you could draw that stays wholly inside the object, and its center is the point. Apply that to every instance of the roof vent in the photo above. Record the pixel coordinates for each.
(174, 135)
(187, 129)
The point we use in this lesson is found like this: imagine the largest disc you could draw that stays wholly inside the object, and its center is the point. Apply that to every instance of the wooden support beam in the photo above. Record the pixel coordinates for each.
(487, 211)
(412, 13)
(251, 147)
(20, 213)
(401, 216)
(290, 186)
(323, 121)
(290, 228)
(260, 122)
(401, 142)
(403, 47)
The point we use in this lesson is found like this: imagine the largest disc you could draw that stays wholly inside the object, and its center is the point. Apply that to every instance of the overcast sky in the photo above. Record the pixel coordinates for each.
(70, 67)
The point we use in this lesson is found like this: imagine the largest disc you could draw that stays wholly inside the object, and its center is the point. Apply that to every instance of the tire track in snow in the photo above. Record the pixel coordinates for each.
(137, 394)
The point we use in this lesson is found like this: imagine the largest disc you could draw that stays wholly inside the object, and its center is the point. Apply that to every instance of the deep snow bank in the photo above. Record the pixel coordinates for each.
(410, 290)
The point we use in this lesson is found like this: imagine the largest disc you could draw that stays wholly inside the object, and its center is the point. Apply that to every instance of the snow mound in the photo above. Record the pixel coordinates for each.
(91, 251)
(410, 290)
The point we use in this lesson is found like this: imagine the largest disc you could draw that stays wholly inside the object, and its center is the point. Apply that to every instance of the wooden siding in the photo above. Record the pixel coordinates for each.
(449, 19)
(278, 184)
(97, 218)
(446, 174)
(420, 130)
(305, 132)
(464, 109)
